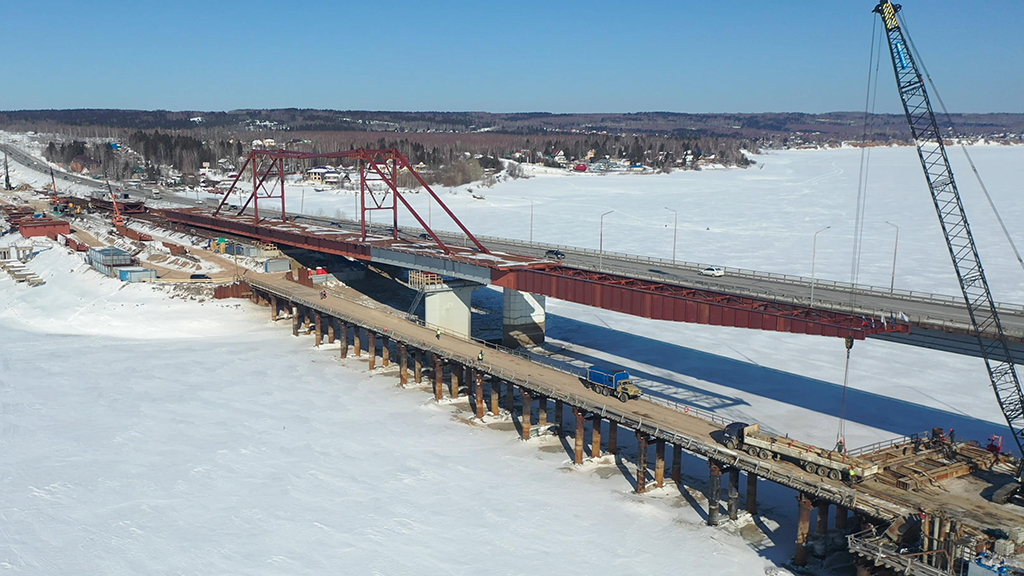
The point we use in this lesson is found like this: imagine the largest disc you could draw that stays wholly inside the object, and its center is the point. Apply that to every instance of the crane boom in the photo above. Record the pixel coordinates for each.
(959, 239)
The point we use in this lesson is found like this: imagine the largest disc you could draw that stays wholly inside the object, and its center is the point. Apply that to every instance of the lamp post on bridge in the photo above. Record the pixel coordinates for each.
(600, 256)
(531, 221)
(895, 246)
(675, 230)
(814, 254)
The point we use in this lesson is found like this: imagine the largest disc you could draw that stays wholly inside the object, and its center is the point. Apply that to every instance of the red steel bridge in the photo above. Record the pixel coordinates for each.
(379, 191)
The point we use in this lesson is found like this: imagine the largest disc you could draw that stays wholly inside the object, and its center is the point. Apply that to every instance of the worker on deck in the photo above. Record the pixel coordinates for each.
(438, 333)
(480, 356)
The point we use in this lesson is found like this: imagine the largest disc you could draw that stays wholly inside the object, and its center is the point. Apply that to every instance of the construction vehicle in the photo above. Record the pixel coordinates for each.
(831, 464)
(959, 239)
(612, 383)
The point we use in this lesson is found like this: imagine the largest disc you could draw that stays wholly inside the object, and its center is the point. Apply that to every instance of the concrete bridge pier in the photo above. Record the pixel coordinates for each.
(595, 436)
(823, 507)
(319, 330)
(559, 408)
(613, 437)
(456, 370)
(438, 378)
(641, 462)
(403, 365)
(447, 307)
(295, 320)
(677, 464)
(523, 319)
(344, 339)
(331, 322)
(418, 368)
(578, 439)
(273, 308)
(495, 409)
(751, 494)
(357, 340)
(527, 418)
(385, 351)
(659, 463)
(371, 347)
(734, 493)
(510, 399)
(479, 395)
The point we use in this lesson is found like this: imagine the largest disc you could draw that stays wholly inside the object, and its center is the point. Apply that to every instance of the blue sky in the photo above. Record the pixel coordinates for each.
(724, 56)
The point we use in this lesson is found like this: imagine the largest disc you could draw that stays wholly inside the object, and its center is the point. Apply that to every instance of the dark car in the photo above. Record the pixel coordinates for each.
(199, 277)
(426, 236)
(556, 254)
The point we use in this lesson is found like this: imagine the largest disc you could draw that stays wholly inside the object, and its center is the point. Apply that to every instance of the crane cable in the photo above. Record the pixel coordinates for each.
(953, 128)
(841, 433)
(870, 100)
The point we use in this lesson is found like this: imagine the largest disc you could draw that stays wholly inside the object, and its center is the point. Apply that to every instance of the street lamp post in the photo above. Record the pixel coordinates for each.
(895, 246)
(675, 231)
(600, 256)
(814, 254)
(531, 221)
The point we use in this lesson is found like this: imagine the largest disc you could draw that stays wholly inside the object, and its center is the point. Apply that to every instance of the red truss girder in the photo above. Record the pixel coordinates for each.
(677, 303)
(374, 166)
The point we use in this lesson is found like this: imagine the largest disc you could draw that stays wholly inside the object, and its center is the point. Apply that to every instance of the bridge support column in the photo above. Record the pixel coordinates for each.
(357, 338)
(595, 436)
(330, 329)
(319, 332)
(659, 463)
(734, 493)
(578, 439)
(403, 364)
(677, 464)
(559, 408)
(803, 528)
(524, 318)
(752, 494)
(841, 514)
(479, 395)
(385, 351)
(371, 347)
(495, 409)
(456, 370)
(418, 367)
(542, 411)
(510, 398)
(641, 462)
(438, 378)
(714, 492)
(527, 418)
(822, 527)
(449, 309)
(273, 308)
(613, 437)
(344, 339)
(295, 320)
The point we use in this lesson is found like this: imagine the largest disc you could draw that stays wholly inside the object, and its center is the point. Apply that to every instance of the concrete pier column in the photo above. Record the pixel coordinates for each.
(714, 492)
(403, 364)
(438, 378)
(371, 347)
(822, 527)
(330, 329)
(418, 367)
(357, 338)
(734, 493)
(641, 462)
(677, 463)
(510, 398)
(527, 418)
(659, 463)
(523, 319)
(542, 411)
(319, 331)
(841, 514)
(595, 436)
(385, 351)
(295, 320)
(495, 409)
(456, 370)
(803, 528)
(613, 437)
(559, 408)
(578, 444)
(344, 339)
(479, 395)
(449, 309)
(273, 308)
(752, 493)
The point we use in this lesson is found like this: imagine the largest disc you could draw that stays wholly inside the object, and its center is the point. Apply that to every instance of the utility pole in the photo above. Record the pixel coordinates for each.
(814, 254)
(675, 230)
(895, 247)
(600, 256)
(7, 175)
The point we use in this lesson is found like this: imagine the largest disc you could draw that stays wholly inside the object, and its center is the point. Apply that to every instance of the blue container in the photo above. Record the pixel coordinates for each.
(135, 273)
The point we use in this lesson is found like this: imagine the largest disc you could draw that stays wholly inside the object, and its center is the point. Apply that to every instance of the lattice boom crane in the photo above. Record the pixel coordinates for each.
(959, 240)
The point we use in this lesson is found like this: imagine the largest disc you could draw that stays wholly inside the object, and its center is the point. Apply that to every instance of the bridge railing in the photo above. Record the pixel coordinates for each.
(868, 545)
(883, 444)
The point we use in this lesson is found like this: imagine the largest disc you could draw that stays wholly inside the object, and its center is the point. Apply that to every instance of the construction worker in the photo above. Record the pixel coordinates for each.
(480, 356)
(852, 476)
(438, 333)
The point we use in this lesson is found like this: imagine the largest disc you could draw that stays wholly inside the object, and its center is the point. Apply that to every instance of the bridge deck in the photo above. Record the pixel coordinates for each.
(668, 422)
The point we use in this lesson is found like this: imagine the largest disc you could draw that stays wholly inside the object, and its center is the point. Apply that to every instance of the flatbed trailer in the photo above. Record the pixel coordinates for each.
(825, 463)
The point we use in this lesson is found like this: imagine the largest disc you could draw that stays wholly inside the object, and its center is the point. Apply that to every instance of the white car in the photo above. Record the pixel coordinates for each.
(713, 271)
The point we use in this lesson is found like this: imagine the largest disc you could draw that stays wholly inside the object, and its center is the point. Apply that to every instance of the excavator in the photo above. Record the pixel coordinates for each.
(959, 239)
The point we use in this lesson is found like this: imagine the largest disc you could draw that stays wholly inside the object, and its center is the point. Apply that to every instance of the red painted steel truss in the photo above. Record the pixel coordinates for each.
(378, 186)
(677, 303)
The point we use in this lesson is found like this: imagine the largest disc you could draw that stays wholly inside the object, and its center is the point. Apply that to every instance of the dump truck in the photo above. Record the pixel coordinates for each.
(612, 383)
(825, 463)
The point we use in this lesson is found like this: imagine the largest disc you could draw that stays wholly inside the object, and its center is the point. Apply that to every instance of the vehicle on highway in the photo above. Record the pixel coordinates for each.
(425, 236)
(199, 277)
(714, 271)
(555, 254)
(611, 382)
(832, 464)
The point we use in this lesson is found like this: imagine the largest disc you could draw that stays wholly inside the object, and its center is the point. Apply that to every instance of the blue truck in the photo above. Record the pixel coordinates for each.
(610, 382)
